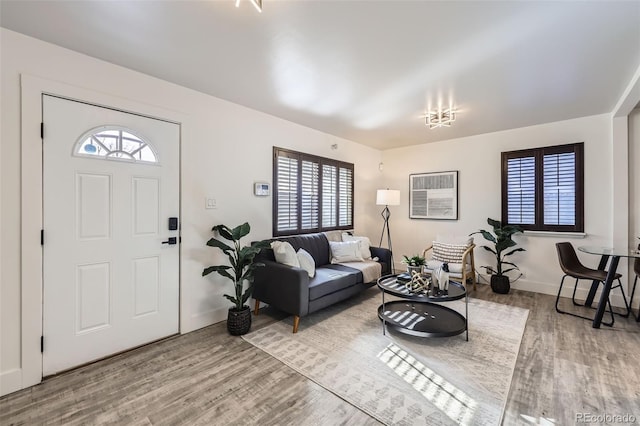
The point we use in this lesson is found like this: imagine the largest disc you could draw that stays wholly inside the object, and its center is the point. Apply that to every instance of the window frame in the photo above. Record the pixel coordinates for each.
(321, 161)
(539, 154)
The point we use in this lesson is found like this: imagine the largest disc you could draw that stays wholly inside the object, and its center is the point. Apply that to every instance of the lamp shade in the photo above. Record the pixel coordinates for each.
(388, 197)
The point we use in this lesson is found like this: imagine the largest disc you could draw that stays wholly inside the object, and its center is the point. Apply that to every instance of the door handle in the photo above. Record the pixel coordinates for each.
(171, 241)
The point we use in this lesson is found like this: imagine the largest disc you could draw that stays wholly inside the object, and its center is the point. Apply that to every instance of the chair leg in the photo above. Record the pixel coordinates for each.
(573, 298)
(558, 296)
(624, 299)
(633, 292)
(257, 307)
(296, 322)
(609, 324)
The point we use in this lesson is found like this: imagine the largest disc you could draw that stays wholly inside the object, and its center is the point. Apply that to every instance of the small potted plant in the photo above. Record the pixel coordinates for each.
(240, 271)
(414, 263)
(502, 242)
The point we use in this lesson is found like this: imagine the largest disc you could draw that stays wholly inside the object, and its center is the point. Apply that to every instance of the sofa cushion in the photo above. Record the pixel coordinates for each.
(347, 251)
(371, 270)
(306, 262)
(332, 278)
(285, 254)
(316, 244)
(365, 244)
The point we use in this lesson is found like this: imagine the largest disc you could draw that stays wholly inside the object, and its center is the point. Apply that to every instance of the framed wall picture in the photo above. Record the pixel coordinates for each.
(433, 195)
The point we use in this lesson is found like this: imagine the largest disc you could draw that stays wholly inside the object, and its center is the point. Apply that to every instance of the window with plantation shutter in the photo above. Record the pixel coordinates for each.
(542, 188)
(311, 193)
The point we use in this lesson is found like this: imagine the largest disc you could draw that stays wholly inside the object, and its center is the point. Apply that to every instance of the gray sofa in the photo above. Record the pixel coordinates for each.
(290, 289)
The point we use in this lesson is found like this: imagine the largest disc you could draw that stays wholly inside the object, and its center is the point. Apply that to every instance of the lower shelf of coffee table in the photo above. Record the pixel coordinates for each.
(422, 319)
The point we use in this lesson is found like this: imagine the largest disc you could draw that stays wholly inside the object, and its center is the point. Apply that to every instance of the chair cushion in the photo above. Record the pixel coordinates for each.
(454, 268)
(332, 278)
(449, 253)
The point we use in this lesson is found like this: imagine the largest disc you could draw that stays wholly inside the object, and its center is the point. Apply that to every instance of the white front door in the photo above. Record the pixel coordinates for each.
(111, 276)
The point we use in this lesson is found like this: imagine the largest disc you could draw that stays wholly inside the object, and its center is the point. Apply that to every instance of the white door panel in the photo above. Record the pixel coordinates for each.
(109, 282)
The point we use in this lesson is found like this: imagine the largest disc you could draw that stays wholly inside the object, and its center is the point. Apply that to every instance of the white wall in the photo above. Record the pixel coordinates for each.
(225, 149)
(477, 158)
(634, 188)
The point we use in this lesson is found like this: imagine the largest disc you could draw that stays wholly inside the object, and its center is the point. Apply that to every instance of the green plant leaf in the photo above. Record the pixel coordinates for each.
(494, 223)
(514, 251)
(224, 232)
(240, 231)
(219, 244)
(510, 269)
(233, 300)
(221, 269)
(487, 248)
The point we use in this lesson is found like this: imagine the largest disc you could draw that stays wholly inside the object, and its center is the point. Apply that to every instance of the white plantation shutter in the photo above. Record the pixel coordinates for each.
(345, 196)
(329, 196)
(543, 188)
(521, 190)
(287, 190)
(560, 189)
(311, 193)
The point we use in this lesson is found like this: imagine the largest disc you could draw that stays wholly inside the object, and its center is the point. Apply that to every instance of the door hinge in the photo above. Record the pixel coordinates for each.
(42, 130)
(41, 344)
(42, 237)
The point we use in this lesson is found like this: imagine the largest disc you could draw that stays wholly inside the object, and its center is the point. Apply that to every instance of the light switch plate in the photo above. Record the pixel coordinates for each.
(210, 203)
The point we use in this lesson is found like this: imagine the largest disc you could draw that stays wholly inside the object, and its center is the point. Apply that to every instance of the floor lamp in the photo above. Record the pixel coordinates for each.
(386, 198)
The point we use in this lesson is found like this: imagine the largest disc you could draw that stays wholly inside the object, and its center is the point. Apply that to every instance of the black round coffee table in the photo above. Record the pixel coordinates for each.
(420, 313)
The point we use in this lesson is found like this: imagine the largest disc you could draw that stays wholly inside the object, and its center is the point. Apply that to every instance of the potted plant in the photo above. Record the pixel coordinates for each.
(240, 271)
(502, 242)
(414, 263)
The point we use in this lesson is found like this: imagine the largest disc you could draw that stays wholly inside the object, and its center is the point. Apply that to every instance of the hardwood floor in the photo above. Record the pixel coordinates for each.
(208, 377)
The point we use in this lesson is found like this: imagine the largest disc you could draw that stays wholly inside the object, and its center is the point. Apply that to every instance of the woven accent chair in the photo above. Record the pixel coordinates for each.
(572, 267)
(464, 271)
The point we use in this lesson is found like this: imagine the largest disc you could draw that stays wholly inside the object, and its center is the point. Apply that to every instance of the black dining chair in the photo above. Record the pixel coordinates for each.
(572, 267)
(636, 269)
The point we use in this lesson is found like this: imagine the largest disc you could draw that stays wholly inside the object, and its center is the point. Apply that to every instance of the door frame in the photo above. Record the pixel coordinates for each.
(31, 251)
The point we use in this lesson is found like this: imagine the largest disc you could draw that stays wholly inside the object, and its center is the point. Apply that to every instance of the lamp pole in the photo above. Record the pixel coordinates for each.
(385, 226)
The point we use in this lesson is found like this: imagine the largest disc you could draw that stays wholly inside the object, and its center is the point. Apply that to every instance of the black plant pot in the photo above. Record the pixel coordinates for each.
(239, 321)
(500, 284)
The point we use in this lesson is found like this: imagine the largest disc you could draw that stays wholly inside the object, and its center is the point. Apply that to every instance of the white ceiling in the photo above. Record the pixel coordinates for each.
(365, 70)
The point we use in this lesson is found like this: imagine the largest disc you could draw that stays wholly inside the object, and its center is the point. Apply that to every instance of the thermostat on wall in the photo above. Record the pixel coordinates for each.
(261, 189)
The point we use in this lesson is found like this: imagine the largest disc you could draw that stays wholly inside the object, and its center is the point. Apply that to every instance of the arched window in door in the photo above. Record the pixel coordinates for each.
(115, 143)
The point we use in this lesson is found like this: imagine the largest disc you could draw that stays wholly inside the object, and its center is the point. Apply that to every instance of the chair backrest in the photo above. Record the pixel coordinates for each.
(568, 258)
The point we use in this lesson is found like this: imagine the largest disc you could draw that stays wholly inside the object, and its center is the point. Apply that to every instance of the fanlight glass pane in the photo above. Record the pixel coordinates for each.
(116, 144)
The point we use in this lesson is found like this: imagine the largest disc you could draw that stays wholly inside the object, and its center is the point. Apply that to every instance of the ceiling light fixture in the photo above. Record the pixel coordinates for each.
(256, 3)
(440, 118)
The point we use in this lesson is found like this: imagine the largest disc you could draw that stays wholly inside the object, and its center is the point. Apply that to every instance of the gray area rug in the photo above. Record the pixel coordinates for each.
(400, 379)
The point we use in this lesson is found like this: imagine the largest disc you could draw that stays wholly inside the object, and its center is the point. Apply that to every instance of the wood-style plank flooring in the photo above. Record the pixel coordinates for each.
(208, 377)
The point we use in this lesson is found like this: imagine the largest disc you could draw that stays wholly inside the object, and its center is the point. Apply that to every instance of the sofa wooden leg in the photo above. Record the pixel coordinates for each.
(296, 322)
(257, 307)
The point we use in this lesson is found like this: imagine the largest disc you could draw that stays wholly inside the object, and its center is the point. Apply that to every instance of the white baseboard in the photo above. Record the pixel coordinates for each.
(567, 289)
(204, 319)
(10, 381)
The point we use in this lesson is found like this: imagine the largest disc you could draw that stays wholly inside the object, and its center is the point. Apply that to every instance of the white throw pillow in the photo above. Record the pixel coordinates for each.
(306, 262)
(285, 254)
(365, 244)
(346, 251)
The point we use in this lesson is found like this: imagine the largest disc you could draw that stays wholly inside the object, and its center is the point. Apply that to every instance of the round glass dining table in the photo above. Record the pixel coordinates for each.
(615, 253)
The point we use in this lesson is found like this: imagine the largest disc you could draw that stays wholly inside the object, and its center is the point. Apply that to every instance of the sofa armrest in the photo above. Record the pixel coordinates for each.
(384, 257)
(282, 286)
